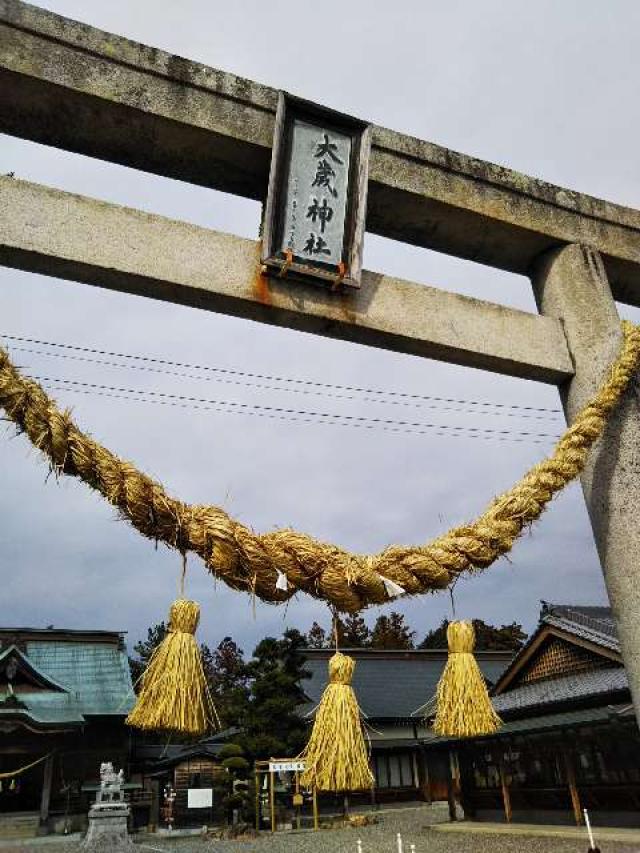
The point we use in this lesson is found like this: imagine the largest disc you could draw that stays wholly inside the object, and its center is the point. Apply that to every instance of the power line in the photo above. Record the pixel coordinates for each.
(283, 413)
(260, 386)
(295, 385)
(141, 399)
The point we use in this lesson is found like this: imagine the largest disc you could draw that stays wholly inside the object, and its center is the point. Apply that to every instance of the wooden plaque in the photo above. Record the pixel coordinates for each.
(316, 205)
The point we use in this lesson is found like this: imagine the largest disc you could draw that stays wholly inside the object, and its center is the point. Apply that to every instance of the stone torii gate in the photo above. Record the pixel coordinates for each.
(75, 87)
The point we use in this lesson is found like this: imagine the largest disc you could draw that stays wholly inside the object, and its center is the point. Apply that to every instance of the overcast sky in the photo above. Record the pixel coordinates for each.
(548, 88)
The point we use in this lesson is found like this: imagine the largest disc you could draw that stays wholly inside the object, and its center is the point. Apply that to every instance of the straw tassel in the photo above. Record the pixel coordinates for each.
(464, 708)
(336, 756)
(174, 695)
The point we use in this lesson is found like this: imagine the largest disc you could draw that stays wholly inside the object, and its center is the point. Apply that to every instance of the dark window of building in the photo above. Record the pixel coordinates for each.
(486, 771)
(612, 759)
(393, 770)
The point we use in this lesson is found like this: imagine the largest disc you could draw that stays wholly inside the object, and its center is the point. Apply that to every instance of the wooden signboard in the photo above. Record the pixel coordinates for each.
(316, 206)
(284, 766)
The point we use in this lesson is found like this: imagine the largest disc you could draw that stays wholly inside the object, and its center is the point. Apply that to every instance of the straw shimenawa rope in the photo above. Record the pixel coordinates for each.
(249, 561)
(12, 774)
(336, 757)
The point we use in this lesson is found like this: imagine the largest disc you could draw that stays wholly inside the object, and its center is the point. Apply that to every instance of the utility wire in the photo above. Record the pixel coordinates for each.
(244, 384)
(386, 424)
(141, 399)
(303, 386)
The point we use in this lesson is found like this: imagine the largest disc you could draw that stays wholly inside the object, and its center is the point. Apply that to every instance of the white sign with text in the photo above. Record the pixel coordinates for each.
(199, 798)
(282, 766)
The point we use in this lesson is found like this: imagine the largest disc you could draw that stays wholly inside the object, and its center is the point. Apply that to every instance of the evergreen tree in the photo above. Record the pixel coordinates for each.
(143, 650)
(390, 632)
(234, 785)
(355, 633)
(488, 637)
(316, 637)
(273, 726)
(228, 680)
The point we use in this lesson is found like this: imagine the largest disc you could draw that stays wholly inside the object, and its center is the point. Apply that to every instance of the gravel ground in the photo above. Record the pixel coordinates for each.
(414, 824)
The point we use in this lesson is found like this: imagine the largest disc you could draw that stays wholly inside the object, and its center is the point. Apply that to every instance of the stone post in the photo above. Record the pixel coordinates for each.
(571, 283)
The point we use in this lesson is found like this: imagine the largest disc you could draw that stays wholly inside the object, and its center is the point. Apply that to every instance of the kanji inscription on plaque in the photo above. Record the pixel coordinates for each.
(315, 211)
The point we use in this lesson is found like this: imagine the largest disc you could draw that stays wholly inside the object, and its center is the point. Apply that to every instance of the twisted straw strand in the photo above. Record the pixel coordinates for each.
(250, 561)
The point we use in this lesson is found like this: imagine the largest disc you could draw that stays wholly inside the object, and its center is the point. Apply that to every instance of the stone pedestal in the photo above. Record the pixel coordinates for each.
(107, 828)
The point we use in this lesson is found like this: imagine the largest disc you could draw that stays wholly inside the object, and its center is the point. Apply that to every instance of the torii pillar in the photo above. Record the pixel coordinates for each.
(571, 283)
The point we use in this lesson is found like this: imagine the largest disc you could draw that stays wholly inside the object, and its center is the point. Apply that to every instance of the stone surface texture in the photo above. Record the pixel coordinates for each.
(571, 283)
(108, 828)
(60, 79)
(53, 232)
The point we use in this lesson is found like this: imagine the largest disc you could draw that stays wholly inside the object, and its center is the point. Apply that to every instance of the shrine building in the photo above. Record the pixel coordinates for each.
(569, 738)
(390, 685)
(64, 696)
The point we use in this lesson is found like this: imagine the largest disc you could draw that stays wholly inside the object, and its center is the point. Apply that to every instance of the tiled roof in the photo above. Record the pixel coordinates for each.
(96, 673)
(47, 709)
(568, 688)
(595, 624)
(599, 616)
(392, 685)
(163, 755)
(587, 623)
(545, 722)
(90, 672)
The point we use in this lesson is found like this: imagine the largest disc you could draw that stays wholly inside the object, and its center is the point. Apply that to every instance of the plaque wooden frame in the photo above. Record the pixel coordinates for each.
(349, 272)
